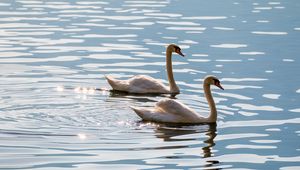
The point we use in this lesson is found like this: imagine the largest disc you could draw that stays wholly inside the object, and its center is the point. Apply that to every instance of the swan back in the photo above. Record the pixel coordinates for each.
(171, 105)
(178, 111)
(146, 84)
(170, 111)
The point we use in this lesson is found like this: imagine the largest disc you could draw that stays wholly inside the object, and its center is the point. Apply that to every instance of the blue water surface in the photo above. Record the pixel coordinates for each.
(54, 55)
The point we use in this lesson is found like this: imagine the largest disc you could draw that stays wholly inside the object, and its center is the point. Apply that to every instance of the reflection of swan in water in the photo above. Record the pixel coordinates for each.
(172, 111)
(211, 133)
(168, 132)
(138, 97)
(147, 84)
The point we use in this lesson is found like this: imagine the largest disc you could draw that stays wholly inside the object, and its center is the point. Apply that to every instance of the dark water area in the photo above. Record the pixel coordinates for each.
(54, 55)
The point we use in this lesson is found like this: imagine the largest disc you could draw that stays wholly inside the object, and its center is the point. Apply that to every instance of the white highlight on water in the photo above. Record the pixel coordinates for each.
(81, 136)
(60, 88)
(269, 33)
(295, 110)
(205, 17)
(271, 96)
(252, 53)
(229, 45)
(223, 28)
(254, 107)
(244, 113)
(287, 60)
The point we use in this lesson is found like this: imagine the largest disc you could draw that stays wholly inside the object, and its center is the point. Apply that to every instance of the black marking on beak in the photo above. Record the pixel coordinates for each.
(178, 51)
(218, 84)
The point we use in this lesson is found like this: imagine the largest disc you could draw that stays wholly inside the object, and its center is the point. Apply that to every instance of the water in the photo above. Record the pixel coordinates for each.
(54, 53)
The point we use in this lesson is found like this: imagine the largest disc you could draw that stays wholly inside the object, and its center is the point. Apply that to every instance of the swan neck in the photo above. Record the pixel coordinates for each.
(213, 111)
(173, 87)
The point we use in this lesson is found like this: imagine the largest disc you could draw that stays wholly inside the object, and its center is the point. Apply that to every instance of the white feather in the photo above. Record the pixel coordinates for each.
(172, 111)
(147, 84)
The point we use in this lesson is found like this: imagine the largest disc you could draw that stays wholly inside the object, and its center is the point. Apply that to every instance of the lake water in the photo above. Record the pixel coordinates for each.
(53, 54)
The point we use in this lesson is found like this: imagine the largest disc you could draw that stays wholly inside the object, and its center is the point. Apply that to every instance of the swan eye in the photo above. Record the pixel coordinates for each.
(216, 81)
(178, 51)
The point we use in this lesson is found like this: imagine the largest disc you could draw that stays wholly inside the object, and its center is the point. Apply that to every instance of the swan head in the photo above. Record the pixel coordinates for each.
(175, 48)
(213, 80)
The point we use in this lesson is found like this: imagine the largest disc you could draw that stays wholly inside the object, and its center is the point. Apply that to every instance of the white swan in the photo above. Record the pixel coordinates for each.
(172, 111)
(147, 84)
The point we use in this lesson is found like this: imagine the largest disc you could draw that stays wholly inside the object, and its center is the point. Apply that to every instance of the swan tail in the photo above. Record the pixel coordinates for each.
(114, 83)
(142, 112)
(110, 79)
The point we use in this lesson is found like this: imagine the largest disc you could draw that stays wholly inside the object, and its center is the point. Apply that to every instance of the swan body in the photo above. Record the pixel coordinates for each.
(172, 111)
(147, 84)
(138, 84)
(169, 111)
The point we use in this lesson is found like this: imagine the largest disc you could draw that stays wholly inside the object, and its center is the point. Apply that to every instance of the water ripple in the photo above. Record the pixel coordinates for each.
(205, 17)
(229, 45)
(269, 33)
(254, 123)
(57, 112)
(258, 108)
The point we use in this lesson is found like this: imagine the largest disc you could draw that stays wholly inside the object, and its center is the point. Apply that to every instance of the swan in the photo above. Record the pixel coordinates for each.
(147, 84)
(172, 111)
